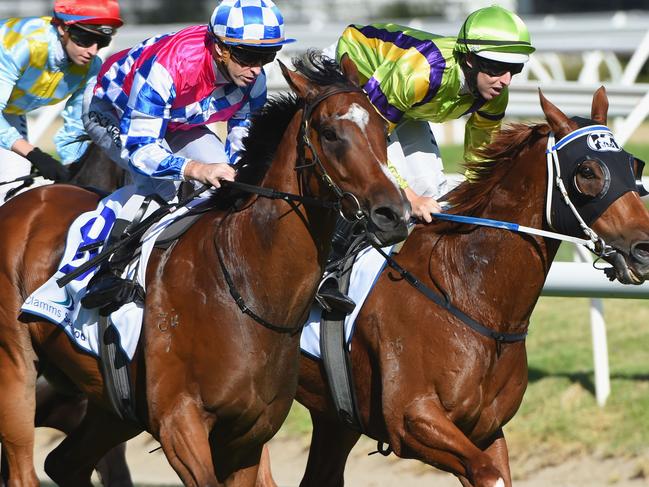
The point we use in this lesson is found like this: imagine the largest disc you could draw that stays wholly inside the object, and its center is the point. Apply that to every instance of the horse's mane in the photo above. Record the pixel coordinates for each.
(497, 158)
(267, 126)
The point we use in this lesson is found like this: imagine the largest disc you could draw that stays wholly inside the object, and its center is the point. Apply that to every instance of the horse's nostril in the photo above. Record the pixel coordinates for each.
(640, 251)
(385, 217)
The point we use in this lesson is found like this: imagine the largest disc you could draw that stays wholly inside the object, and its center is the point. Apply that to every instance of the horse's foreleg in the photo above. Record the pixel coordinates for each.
(72, 462)
(183, 434)
(428, 435)
(331, 443)
(264, 474)
(17, 406)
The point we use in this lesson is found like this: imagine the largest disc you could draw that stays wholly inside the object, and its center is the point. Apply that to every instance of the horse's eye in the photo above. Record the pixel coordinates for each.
(586, 172)
(329, 134)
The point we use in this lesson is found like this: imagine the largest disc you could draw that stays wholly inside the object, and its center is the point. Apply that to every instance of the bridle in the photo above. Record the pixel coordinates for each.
(305, 142)
(302, 163)
(560, 209)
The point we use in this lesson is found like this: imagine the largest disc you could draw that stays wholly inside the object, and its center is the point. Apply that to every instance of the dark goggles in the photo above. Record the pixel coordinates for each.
(84, 38)
(245, 56)
(497, 68)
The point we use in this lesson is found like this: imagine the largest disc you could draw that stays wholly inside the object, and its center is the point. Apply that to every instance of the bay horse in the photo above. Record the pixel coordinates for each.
(428, 385)
(62, 408)
(96, 170)
(213, 381)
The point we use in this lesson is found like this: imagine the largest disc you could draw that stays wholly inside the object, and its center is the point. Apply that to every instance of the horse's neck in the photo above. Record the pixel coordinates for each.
(498, 273)
(290, 242)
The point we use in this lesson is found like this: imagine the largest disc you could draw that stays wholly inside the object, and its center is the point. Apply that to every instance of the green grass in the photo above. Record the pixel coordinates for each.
(559, 415)
(559, 410)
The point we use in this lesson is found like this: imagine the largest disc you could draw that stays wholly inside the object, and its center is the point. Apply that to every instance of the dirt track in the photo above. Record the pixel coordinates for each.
(289, 458)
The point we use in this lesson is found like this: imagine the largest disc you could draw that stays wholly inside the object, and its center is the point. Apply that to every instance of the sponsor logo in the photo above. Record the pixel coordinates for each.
(68, 302)
(45, 307)
(603, 142)
(78, 335)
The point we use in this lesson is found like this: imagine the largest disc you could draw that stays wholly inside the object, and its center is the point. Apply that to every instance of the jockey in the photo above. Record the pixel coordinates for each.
(413, 77)
(44, 60)
(151, 104)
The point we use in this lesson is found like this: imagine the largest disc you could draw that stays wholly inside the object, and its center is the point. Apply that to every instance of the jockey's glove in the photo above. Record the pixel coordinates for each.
(48, 166)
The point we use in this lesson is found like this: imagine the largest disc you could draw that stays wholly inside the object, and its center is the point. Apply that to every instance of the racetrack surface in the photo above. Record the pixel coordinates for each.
(289, 457)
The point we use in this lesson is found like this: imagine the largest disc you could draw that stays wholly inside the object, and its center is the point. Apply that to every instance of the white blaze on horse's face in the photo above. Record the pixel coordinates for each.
(358, 115)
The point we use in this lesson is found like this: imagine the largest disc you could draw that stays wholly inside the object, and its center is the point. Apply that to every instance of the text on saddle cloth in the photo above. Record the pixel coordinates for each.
(62, 306)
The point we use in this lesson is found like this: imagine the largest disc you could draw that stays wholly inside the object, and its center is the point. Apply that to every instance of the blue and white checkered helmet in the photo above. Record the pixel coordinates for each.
(256, 23)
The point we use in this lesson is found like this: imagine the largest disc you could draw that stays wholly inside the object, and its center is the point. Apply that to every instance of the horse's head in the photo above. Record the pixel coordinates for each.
(596, 188)
(343, 140)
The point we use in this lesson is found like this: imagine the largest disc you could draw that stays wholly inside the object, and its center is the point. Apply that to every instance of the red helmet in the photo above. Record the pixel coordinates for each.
(97, 12)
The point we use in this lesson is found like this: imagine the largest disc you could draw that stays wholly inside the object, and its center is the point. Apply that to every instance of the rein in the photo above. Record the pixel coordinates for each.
(273, 194)
(594, 242)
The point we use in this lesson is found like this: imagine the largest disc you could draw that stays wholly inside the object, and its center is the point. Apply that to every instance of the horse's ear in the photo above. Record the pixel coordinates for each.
(350, 70)
(559, 123)
(599, 108)
(298, 83)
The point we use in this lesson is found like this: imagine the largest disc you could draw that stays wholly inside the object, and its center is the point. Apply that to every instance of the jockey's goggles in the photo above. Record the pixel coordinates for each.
(496, 68)
(249, 57)
(85, 38)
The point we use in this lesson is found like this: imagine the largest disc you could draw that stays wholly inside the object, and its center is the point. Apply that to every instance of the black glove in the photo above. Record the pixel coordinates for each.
(49, 167)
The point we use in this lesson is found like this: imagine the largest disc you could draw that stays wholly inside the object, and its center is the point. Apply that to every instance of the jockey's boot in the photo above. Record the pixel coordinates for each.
(107, 290)
(330, 297)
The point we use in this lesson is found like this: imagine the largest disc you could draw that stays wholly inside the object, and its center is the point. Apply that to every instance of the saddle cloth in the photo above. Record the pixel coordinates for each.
(364, 274)
(62, 306)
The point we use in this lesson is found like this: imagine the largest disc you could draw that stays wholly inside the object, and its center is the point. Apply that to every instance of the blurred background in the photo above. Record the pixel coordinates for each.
(585, 417)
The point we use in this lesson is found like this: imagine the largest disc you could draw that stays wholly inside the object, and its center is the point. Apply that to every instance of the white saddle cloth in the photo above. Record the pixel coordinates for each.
(62, 306)
(365, 271)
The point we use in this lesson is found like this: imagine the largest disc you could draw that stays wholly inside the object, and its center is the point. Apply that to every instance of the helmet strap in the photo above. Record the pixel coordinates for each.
(470, 75)
(221, 56)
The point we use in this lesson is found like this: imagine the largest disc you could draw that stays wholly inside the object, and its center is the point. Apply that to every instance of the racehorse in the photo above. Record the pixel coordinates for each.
(96, 170)
(427, 384)
(63, 410)
(213, 381)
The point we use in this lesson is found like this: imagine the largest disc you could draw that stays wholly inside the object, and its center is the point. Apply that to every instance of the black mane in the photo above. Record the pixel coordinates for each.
(269, 124)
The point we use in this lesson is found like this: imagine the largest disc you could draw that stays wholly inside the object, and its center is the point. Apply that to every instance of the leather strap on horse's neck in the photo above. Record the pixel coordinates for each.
(445, 302)
(285, 329)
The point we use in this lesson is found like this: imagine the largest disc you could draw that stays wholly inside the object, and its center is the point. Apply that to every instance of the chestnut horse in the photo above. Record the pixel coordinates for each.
(427, 384)
(63, 409)
(213, 378)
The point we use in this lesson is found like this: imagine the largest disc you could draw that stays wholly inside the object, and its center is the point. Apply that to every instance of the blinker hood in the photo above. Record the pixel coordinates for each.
(590, 142)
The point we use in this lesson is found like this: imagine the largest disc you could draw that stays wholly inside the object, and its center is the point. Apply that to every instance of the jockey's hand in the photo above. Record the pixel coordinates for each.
(49, 167)
(209, 173)
(422, 206)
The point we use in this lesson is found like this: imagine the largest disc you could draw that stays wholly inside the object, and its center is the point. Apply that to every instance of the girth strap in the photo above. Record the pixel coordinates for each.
(114, 369)
(335, 356)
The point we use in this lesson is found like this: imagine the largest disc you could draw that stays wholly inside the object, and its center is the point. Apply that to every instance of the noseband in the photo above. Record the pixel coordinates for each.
(305, 142)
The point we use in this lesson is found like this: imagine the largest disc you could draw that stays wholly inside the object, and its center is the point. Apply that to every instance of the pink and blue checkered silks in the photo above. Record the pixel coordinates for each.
(169, 83)
(248, 22)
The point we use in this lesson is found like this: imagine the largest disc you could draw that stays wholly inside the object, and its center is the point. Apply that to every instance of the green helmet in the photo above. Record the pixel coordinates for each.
(495, 33)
